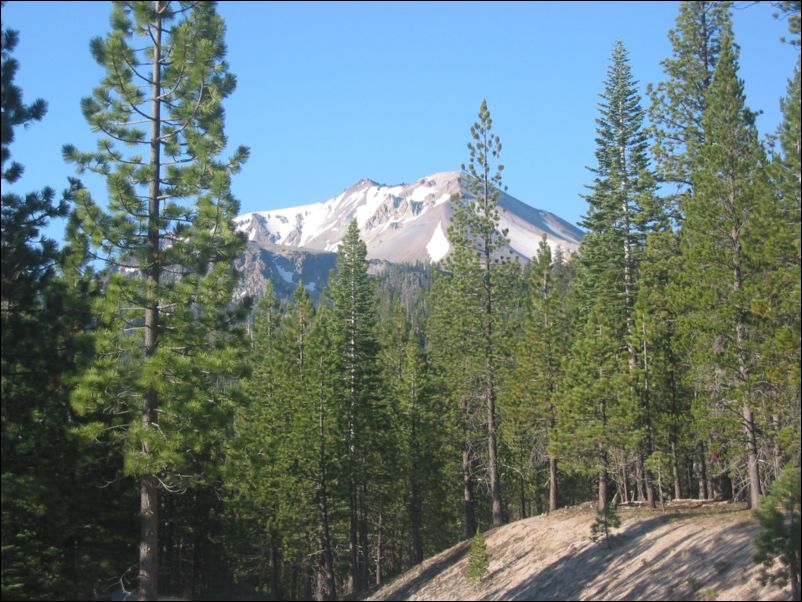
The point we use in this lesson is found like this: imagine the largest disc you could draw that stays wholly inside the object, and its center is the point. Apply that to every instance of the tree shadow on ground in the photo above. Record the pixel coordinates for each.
(675, 574)
(428, 571)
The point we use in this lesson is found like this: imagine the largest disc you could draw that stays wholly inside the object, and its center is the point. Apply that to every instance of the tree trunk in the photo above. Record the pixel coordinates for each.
(149, 538)
(415, 505)
(490, 391)
(552, 484)
(328, 559)
(639, 478)
(675, 467)
(166, 545)
(752, 467)
(602, 489)
(492, 453)
(415, 522)
(492, 445)
(467, 491)
(603, 480)
(199, 514)
(275, 569)
(743, 376)
(379, 548)
(353, 529)
(353, 545)
(330, 591)
(649, 484)
(701, 472)
(149, 492)
(364, 561)
(776, 453)
(624, 485)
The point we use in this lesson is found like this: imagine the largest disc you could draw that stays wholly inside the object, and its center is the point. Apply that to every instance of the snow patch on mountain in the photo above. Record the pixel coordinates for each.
(286, 275)
(438, 246)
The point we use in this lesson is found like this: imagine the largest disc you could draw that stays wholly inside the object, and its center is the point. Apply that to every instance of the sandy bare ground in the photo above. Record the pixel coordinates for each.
(702, 553)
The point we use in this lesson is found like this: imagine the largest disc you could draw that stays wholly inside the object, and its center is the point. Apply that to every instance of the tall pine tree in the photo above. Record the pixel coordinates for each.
(356, 347)
(677, 107)
(721, 238)
(778, 303)
(481, 281)
(164, 352)
(533, 389)
(622, 209)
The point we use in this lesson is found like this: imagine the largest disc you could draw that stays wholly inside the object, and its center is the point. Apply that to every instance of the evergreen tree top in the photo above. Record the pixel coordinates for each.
(474, 231)
(15, 112)
(679, 102)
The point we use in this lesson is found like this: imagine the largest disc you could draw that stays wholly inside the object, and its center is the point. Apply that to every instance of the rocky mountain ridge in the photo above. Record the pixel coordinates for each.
(402, 223)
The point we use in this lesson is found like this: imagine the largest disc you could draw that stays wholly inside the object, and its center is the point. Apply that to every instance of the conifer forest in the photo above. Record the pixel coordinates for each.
(162, 433)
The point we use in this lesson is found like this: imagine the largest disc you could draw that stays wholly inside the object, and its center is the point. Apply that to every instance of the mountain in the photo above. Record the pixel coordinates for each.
(400, 223)
(284, 267)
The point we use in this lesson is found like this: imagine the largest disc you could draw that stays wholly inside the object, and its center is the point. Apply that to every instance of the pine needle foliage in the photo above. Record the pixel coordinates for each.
(167, 335)
(478, 560)
(779, 538)
(606, 520)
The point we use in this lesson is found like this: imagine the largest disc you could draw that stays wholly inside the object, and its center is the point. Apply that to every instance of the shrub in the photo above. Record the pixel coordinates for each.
(605, 520)
(779, 538)
(479, 560)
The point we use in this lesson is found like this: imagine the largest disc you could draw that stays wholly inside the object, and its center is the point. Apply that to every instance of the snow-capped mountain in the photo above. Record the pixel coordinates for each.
(401, 223)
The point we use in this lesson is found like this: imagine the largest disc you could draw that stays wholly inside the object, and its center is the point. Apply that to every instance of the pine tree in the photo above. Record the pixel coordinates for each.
(424, 449)
(621, 207)
(622, 210)
(482, 279)
(323, 393)
(598, 408)
(165, 355)
(606, 519)
(777, 304)
(779, 538)
(478, 560)
(43, 331)
(396, 489)
(679, 102)
(720, 246)
(660, 372)
(677, 108)
(533, 389)
(791, 10)
(452, 351)
(258, 478)
(354, 339)
(28, 260)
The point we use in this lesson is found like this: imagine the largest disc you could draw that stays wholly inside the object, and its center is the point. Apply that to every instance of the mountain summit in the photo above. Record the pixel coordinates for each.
(401, 223)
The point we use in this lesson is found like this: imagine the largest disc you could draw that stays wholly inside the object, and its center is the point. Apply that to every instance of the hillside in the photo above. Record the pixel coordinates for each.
(682, 554)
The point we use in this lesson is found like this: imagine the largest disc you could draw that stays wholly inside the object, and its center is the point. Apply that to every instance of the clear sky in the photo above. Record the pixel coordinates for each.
(329, 93)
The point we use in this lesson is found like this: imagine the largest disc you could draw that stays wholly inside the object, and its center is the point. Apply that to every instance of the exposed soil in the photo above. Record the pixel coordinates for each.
(690, 551)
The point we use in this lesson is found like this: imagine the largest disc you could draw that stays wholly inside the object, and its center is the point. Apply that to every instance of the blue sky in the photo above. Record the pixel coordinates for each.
(329, 93)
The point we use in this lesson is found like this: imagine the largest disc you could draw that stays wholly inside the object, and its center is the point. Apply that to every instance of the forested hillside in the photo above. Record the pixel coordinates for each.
(163, 432)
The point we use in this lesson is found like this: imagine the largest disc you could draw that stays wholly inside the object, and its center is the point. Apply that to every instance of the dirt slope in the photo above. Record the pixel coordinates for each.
(680, 554)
